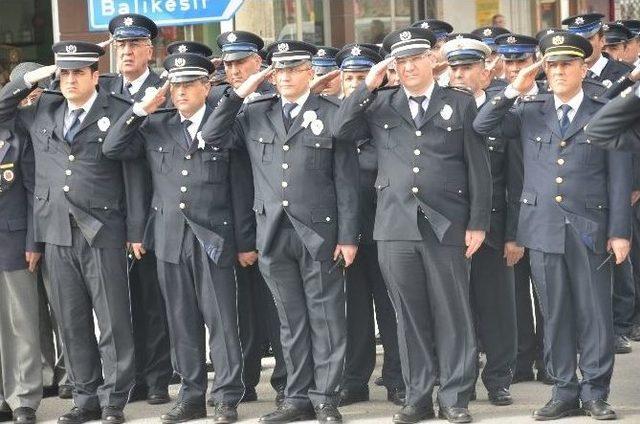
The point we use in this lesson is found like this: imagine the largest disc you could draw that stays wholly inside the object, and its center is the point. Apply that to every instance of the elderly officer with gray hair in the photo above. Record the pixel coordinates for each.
(433, 211)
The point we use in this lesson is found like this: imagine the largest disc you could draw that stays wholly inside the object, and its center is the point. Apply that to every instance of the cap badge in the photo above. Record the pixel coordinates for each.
(355, 51)
(71, 48)
(424, 25)
(459, 36)
(283, 47)
(511, 39)
(128, 21)
(405, 35)
(557, 40)
(182, 48)
(579, 20)
(180, 62)
(487, 32)
(232, 37)
(321, 52)
(605, 27)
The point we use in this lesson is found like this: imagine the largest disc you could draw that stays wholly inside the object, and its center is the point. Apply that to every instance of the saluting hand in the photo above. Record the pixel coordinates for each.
(253, 82)
(37, 75)
(154, 99)
(473, 239)
(323, 82)
(526, 78)
(377, 73)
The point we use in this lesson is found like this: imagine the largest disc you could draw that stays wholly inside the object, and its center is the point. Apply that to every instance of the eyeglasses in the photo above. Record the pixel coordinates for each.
(404, 61)
(290, 71)
(133, 44)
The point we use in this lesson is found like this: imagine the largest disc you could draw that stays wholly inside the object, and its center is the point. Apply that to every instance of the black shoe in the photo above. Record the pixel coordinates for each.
(379, 381)
(622, 345)
(544, 378)
(279, 395)
(175, 379)
(599, 409)
(249, 395)
(454, 414)
(225, 413)
(473, 396)
(139, 393)
(158, 398)
(50, 391)
(80, 415)
(634, 334)
(5, 412)
(555, 409)
(287, 413)
(182, 412)
(500, 397)
(210, 367)
(326, 413)
(413, 414)
(521, 377)
(24, 415)
(65, 391)
(351, 396)
(397, 396)
(112, 415)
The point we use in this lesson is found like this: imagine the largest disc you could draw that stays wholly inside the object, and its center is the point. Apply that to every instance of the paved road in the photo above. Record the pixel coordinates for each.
(625, 396)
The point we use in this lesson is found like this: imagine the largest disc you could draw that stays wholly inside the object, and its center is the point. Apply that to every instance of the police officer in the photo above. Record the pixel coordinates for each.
(257, 316)
(517, 52)
(79, 213)
(195, 226)
(488, 36)
(20, 363)
(616, 37)
(365, 285)
(306, 205)
(492, 281)
(441, 30)
(434, 205)
(632, 47)
(601, 66)
(574, 208)
(132, 35)
(323, 62)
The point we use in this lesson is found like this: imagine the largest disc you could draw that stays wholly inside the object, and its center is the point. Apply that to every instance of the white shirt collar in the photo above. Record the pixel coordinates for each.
(599, 65)
(481, 98)
(413, 106)
(136, 84)
(196, 120)
(426, 93)
(637, 62)
(574, 102)
(86, 106)
(300, 101)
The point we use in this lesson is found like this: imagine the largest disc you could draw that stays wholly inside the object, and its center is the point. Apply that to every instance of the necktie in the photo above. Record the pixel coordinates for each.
(592, 75)
(187, 136)
(420, 116)
(75, 125)
(287, 109)
(564, 120)
(127, 89)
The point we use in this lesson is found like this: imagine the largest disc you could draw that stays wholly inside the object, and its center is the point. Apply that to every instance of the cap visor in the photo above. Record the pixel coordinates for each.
(410, 52)
(464, 61)
(516, 56)
(185, 78)
(72, 64)
(288, 63)
(230, 57)
(561, 58)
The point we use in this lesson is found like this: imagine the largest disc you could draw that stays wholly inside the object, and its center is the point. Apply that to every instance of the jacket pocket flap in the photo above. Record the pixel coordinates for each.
(595, 203)
(386, 124)
(322, 215)
(214, 157)
(258, 206)
(456, 188)
(264, 138)
(381, 182)
(528, 198)
(103, 204)
(42, 193)
(319, 142)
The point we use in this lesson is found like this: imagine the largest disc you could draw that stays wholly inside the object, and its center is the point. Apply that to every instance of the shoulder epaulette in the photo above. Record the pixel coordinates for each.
(331, 99)
(50, 91)
(262, 98)
(109, 75)
(164, 110)
(120, 97)
(460, 89)
(540, 97)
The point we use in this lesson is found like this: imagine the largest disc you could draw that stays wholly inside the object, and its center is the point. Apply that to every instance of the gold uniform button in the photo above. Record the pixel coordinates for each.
(285, 184)
(67, 172)
(182, 206)
(185, 172)
(560, 161)
(285, 203)
(418, 133)
(71, 158)
(285, 166)
(558, 199)
(183, 189)
(285, 147)
(559, 180)
(65, 189)
(414, 190)
(416, 152)
(416, 170)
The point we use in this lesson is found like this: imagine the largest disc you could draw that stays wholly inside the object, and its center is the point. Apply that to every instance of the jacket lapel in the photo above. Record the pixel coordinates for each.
(401, 104)
(175, 130)
(275, 116)
(99, 109)
(194, 143)
(550, 117)
(296, 125)
(582, 117)
(5, 135)
(438, 97)
(153, 80)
